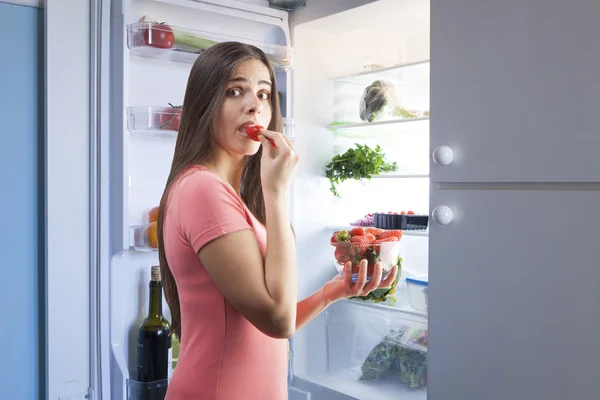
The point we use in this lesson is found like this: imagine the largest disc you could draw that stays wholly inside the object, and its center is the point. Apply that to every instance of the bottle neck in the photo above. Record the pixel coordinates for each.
(155, 300)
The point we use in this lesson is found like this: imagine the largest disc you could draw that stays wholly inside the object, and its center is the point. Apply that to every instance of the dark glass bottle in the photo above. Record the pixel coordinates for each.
(154, 339)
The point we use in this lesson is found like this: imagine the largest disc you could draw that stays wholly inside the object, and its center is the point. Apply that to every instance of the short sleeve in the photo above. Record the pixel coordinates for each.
(208, 208)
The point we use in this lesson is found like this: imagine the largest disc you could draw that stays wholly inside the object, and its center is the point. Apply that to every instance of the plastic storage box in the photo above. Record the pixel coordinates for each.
(399, 221)
(417, 292)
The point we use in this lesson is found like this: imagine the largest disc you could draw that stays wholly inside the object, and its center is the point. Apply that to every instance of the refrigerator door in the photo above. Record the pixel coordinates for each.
(513, 295)
(515, 89)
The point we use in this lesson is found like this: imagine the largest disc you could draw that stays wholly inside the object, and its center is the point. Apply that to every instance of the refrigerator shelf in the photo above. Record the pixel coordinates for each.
(400, 309)
(144, 40)
(385, 389)
(143, 237)
(381, 129)
(367, 349)
(398, 73)
(154, 119)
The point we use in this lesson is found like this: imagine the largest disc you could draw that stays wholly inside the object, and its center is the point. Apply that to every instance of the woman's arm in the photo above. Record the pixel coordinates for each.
(264, 291)
(341, 288)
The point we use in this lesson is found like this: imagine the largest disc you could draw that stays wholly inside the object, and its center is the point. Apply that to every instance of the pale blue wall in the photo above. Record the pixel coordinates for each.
(21, 196)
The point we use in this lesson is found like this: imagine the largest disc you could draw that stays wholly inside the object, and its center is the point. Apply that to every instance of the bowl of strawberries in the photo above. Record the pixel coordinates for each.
(373, 244)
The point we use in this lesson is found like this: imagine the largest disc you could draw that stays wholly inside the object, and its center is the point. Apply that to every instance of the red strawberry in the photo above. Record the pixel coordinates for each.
(341, 254)
(360, 231)
(361, 244)
(340, 236)
(392, 233)
(253, 131)
(386, 240)
(410, 213)
(374, 231)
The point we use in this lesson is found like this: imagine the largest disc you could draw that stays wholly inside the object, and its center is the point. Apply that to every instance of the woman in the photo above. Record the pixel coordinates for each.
(226, 246)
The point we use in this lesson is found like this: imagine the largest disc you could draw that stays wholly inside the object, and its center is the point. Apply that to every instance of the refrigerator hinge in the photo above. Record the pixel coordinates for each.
(87, 395)
(287, 5)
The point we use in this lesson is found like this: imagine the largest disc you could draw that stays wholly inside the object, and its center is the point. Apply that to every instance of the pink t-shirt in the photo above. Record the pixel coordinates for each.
(223, 356)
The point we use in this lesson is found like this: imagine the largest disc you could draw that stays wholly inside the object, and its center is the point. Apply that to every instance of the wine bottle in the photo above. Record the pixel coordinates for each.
(154, 337)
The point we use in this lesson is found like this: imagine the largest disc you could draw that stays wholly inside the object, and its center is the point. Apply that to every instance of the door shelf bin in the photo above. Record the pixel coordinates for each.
(163, 120)
(143, 237)
(189, 43)
(156, 390)
(377, 348)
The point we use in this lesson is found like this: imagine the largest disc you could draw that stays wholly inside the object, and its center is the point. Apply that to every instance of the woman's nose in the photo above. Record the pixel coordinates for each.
(254, 106)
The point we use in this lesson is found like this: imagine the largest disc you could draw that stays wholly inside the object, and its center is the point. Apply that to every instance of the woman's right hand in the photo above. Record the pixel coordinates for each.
(278, 162)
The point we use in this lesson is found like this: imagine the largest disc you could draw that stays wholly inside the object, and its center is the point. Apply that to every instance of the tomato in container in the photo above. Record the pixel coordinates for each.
(158, 35)
(169, 119)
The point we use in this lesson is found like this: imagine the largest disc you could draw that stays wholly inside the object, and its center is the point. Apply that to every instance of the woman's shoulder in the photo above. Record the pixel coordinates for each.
(199, 180)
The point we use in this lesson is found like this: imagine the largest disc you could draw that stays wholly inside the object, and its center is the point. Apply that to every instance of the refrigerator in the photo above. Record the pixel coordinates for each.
(500, 152)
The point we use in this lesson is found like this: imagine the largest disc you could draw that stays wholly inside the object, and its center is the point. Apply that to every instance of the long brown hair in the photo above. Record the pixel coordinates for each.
(204, 96)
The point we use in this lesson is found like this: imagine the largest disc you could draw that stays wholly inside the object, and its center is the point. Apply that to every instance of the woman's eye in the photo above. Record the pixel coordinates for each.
(263, 96)
(234, 92)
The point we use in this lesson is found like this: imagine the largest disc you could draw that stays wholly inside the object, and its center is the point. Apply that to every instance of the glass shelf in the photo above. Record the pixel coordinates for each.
(380, 129)
(152, 119)
(147, 39)
(399, 73)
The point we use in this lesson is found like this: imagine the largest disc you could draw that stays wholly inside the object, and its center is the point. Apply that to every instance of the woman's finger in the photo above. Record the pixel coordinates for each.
(276, 137)
(387, 282)
(375, 279)
(362, 276)
(267, 146)
(348, 274)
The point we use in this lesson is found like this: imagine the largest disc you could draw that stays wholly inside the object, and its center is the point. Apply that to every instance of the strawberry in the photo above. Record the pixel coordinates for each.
(341, 254)
(253, 131)
(374, 231)
(361, 243)
(392, 233)
(340, 236)
(410, 213)
(385, 240)
(360, 231)
(371, 237)
(388, 239)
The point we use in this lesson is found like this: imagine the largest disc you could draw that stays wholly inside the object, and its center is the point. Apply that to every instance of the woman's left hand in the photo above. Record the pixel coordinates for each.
(342, 288)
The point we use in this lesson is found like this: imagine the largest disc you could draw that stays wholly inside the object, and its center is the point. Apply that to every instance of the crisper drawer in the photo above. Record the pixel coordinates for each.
(378, 350)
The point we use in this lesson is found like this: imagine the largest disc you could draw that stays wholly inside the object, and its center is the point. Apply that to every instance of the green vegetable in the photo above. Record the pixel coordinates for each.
(383, 294)
(390, 358)
(358, 163)
(184, 40)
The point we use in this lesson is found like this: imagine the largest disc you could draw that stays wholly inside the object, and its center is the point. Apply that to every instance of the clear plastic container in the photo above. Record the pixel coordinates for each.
(387, 253)
(163, 41)
(379, 353)
(153, 119)
(417, 292)
(144, 237)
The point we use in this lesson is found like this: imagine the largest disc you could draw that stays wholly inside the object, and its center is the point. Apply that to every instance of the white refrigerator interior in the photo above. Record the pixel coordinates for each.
(321, 80)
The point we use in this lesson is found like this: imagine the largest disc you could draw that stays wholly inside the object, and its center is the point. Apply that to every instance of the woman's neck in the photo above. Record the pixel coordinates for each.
(228, 168)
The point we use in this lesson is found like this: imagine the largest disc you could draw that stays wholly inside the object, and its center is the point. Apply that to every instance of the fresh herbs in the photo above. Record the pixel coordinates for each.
(360, 162)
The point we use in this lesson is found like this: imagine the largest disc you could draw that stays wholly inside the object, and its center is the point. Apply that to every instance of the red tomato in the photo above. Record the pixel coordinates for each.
(169, 120)
(158, 35)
